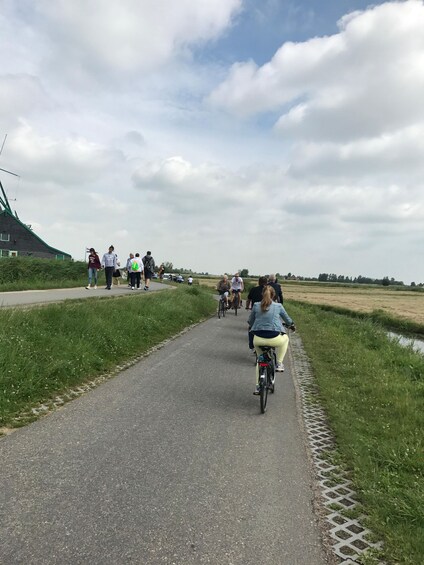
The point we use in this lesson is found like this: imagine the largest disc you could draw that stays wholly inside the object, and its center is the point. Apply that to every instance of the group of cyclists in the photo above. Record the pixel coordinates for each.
(268, 320)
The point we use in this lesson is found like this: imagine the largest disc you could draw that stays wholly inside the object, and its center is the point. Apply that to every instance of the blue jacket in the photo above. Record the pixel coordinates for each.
(271, 320)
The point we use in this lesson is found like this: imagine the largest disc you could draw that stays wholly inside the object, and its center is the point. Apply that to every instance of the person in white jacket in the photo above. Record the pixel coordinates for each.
(109, 264)
(136, 269)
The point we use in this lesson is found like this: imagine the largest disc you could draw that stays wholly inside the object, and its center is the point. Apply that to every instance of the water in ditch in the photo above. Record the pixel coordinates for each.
(417, 344)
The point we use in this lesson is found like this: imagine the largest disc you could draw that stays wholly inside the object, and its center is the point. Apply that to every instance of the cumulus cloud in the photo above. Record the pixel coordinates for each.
(129, 35)
(178, 184)
(396, 155)
(21, 95)
(362, 82)
(65, 161)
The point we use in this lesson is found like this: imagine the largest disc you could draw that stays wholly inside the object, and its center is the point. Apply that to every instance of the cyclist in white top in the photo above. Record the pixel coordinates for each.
(237, 286)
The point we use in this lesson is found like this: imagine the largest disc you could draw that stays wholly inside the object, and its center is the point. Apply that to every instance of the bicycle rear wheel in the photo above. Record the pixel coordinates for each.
(236, 302)
(272, 373)
(263, 388)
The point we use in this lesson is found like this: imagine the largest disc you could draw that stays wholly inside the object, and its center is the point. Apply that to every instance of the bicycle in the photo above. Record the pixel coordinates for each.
(222, 307)
(236, 302)
(266, 362)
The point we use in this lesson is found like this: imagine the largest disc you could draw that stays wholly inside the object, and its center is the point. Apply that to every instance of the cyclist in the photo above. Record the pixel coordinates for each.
(277, 287)
(223, 287)
(266, 323)
(237, 286)
(255, 295)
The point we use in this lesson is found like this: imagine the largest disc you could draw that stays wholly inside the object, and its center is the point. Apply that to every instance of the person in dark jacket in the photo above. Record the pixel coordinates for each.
(255, 295)
(272, 281)
(149, 269)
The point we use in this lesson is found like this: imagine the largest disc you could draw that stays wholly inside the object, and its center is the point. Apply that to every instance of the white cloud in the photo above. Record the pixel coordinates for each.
(364, 81)
(129, 35)
(66, 161)
(21, 95)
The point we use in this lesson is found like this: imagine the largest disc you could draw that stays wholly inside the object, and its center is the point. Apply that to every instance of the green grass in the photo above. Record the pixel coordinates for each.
(373, 392)
(46, 350)
(383, 318)
(28, 273)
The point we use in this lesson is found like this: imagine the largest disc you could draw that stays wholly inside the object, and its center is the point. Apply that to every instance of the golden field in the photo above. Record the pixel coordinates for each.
(399, 303)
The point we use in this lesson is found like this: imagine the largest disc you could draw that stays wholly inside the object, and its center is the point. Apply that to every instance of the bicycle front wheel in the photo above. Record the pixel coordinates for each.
(263, 388)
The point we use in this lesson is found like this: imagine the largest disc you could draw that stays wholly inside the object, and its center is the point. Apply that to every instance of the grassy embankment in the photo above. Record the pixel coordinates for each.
(26, 273)
(373, 392)
(46, 350)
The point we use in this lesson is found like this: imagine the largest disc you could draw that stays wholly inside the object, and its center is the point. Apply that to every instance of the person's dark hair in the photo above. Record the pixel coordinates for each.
(92, 250)
(137, 254)
(267, 298)
(111, 247)
(262, 281)
(149, 253)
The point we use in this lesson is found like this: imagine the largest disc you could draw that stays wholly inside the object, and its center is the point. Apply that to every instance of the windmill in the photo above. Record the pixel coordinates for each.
(17, 238)
(3, 198)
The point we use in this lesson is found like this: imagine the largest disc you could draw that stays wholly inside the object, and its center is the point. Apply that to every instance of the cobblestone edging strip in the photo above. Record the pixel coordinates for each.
(350, 541)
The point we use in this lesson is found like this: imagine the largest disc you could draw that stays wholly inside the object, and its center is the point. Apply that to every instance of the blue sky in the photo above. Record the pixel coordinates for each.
(291, 132)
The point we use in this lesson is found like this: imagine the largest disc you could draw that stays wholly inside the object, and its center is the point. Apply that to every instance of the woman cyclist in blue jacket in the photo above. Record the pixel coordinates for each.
(266, 323)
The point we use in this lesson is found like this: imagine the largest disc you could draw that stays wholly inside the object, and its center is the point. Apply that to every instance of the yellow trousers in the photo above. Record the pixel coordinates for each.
(280, 343)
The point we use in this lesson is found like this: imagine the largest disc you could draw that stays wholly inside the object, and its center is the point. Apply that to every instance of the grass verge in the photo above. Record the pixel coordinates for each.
(44, 351)
(383, 318)
(373, 392)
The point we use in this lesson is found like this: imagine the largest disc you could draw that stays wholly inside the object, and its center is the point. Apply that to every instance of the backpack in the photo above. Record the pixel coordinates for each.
(134, 266)
(148, 263)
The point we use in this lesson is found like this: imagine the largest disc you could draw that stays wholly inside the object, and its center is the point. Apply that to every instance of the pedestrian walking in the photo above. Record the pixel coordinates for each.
(136, 271)
(149, 269)
(93, 267)
(128, 268)
(116, 276)
(109, 264)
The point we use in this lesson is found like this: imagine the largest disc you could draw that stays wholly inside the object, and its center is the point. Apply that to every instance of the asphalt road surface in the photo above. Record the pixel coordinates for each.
(28, 297)
(170, 462)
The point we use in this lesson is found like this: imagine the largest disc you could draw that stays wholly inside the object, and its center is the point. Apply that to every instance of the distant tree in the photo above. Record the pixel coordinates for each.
(323, 277)
(413, 283)
(385, 281)
(169, 267)
(244, 273)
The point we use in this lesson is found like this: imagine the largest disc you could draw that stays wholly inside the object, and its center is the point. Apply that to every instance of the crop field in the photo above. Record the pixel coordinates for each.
(397, 303)
(404, 304)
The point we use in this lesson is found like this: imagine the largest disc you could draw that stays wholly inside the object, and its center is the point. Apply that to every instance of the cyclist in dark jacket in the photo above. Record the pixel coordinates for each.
(272, 281)
(223, 287)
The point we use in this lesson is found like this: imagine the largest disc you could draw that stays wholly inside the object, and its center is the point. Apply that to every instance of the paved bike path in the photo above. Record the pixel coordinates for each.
(170, 462)
(31, 297)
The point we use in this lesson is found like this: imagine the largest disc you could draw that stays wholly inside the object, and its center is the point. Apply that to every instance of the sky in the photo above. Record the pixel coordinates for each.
(271, 135)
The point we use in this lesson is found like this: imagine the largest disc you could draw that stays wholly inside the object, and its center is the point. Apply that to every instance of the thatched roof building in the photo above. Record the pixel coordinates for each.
(17, 238)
